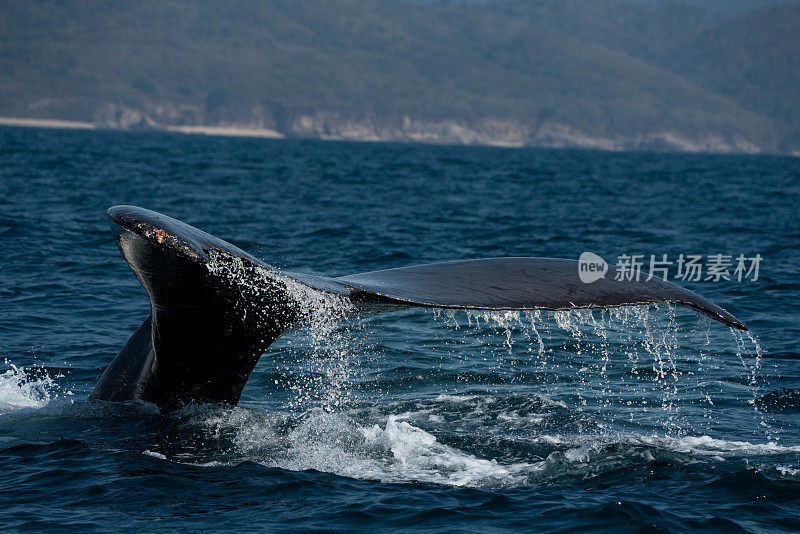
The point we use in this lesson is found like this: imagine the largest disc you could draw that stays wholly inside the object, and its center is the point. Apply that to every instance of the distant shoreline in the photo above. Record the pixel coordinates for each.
(267, 133)
(223, 131)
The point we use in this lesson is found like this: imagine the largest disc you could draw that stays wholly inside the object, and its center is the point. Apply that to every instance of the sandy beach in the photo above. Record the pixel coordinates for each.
(46, 123)
(227, 131)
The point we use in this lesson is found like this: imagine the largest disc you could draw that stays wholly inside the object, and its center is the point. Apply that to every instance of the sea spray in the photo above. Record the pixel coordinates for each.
(322, 342)
(611, 361)
(752, 369)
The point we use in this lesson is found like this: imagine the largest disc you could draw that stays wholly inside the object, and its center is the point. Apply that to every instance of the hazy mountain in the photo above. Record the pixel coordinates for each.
(753, 58)
(729, 6)
(593, 73)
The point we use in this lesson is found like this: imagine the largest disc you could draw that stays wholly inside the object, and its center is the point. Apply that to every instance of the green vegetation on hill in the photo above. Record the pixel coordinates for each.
(601, 69)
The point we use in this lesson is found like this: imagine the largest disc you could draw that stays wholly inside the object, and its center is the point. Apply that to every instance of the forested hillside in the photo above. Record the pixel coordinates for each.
(609, 74)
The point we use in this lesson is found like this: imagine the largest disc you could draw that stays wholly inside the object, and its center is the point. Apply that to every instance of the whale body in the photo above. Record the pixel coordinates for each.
(206, 332)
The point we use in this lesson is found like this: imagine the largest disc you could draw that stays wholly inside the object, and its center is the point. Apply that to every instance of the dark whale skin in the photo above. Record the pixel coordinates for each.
(206, 332)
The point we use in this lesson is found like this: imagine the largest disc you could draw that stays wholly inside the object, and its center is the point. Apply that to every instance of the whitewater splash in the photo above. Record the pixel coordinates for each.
(463, 441)
(22, 388)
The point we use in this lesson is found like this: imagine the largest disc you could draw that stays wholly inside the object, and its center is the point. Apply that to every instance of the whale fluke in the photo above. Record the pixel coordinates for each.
(521, 284)
(206, 332)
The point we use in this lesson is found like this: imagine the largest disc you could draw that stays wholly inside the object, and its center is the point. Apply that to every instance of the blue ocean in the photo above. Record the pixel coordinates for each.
(636, 419)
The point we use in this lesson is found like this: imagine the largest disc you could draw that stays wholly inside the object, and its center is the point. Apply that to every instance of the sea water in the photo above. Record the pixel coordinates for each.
(627, 419)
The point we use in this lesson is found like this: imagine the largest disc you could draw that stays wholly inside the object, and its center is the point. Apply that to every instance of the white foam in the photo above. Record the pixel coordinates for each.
(19, 389)
(787, 470)
(392, 450)
(418, 455)
(456, 398)
(695, 445)
(701, 445)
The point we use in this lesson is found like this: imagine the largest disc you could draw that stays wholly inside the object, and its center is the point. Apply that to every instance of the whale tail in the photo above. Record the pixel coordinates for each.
(206, 332)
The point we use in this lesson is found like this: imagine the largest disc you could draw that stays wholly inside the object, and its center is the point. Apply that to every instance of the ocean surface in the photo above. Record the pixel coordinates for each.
(640, 419)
